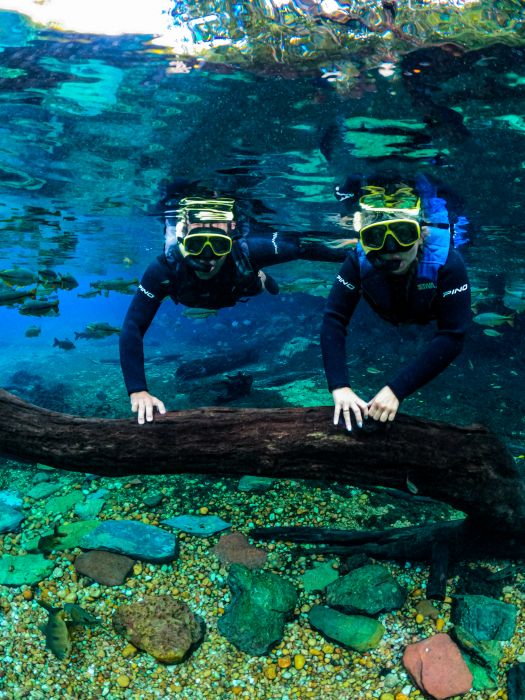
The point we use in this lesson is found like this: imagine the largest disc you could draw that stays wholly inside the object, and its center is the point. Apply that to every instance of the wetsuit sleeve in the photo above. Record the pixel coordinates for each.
(343, 298)
(152, 290)
(453, 319)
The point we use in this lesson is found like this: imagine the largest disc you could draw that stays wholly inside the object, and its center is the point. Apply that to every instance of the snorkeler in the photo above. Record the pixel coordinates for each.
(407, 270)
(212, 259)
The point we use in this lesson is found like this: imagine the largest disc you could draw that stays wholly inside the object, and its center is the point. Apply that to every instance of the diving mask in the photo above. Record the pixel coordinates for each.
(196, 241)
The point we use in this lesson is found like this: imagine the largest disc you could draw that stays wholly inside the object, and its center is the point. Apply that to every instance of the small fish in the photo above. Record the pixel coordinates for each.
(127, 261)
(373, 370)
(18, 276)
(79, 616)
(103, 327)
(492, 332)
(48, 543)
(411, 486)
(32, 331)
(89, 295)
(56, 631)
(199, 313)
(64, 344)
(8, 295)
(493, 319)
(114, 285)
(67, 281)
(95, 331)
(39, 307)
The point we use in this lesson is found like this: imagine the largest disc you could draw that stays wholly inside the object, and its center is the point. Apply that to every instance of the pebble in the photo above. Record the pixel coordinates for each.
(123, 681)
(299, 661)
(270, 671)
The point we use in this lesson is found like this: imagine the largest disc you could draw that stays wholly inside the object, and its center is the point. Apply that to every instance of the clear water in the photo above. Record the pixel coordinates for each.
(90, 128)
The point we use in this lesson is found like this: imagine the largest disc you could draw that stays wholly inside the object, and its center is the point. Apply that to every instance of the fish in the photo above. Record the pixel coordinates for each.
(48, 543)
(56, 631)
(89, 295)
(199, 313)
(514, 301)
(492, 332)
(103, 327)
(373, 370)
(64, 344)
(127, 261)
(411, 486)
(39, 307)
(67, 282)
(79, 616)
(115, 285)
(32, 331)
(95, 331)
(8, 295)
(491, 318)
(18, 276)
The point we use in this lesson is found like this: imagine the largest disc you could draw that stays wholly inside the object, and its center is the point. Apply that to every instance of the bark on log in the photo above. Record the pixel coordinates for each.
(467, 467)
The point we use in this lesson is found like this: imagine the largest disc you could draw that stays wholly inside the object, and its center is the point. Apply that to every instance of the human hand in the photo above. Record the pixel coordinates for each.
(346, 400)
(143, 403)
(384, 405)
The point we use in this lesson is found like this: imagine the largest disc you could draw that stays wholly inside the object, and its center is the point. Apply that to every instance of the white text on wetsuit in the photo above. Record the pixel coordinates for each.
(145, 291)
(348, 285)
(456, 290)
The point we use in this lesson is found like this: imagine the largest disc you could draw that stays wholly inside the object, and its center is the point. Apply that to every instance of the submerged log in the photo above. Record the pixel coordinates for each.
(467, 467)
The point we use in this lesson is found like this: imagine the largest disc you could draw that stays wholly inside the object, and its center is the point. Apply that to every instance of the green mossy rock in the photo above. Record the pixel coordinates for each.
(353, 631)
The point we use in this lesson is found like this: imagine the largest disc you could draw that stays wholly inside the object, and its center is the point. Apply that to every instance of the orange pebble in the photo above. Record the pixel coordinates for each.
(28, 594)
(284, 662)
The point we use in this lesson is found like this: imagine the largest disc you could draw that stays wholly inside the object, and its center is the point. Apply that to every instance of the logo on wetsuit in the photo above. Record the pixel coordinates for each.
(456, 290)
(145, 291)
(348, 285)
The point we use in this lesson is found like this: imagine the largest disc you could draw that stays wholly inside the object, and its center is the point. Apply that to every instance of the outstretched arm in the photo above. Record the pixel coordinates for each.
(340, 306)
(141, 312)
(453, 319)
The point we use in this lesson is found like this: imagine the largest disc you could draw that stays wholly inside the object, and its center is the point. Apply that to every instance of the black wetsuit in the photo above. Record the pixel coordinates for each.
(399, 299)
(237, 280)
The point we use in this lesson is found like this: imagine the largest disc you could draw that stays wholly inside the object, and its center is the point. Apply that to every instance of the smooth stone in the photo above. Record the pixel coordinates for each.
(107, 568)
(153, 500)
(369, 590)
(484, 618)
(27, 570)
(257, 484)
(201, 525)
(10, 519)
(160, 625)
(261, 602)
(12, 499)
(234, 548)
(60, 505)
(320, 576)
(41, 477)
(135, 539)
(437, 667)
(44, 490)
(73, 533)
(357, 632)
(97, 495)
(89, 509)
